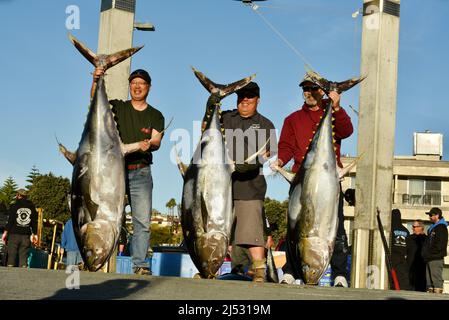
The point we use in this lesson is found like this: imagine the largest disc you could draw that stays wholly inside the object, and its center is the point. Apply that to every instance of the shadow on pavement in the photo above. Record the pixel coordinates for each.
(111, 289)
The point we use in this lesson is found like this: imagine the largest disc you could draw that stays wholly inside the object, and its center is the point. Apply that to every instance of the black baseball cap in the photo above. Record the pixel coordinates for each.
(435, 212)
(251, 90)
(140, 73)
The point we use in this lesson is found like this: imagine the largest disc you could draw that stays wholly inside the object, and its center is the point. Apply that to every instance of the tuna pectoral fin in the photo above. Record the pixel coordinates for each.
(289, 176)
(222, 90)
(343, 172)
(259, 152)
(70, 156)
(181, 166)
(105, 61)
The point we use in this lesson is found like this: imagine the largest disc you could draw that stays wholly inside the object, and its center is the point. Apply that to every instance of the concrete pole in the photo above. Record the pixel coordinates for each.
(376, 134)
(116, 33)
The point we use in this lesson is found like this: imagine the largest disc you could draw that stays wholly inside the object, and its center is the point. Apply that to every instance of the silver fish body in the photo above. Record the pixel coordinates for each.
(207, 212)
(314, 196)
(98, 184)
(313, 206)
(98, 179)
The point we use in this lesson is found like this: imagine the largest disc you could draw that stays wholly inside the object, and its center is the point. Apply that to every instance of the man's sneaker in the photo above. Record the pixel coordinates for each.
(340, 281)
(287, 278)
(142, 271)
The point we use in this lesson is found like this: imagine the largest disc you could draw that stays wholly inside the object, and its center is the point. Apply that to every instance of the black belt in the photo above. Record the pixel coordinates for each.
(136, 166)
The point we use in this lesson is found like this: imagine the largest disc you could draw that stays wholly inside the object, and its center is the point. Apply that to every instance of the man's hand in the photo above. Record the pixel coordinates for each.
(270, 242)
(145, 145)
(275, 164)
(5, 237)
(98, 72)
(335, 97)
(33, 239)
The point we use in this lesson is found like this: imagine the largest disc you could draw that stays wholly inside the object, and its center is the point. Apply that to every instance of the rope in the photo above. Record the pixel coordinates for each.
(280, 35)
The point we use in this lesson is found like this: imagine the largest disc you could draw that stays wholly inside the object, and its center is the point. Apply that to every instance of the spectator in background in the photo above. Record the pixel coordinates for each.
(399, 250)
(415, 261)
(434, 250)
(68, 243)
(21, 230)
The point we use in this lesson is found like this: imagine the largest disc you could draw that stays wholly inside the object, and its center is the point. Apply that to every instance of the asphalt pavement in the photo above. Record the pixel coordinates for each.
(41, 284)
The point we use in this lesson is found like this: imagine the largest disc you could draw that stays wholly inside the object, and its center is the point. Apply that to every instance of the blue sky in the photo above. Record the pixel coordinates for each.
(44, 81)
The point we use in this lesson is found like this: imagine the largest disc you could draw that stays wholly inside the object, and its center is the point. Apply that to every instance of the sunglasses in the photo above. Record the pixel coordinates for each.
(247, 95)
(310, 88)
(416, 227)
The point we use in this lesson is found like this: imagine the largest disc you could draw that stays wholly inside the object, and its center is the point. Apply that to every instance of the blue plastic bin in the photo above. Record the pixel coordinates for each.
(37, 258)
(124, 264)
(173, 264)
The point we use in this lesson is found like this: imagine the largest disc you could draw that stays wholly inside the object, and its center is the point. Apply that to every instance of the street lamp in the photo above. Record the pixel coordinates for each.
(144, 26)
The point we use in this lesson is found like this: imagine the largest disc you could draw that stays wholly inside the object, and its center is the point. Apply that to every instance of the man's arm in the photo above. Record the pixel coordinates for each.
(155, 141)
(136, 146)
(343, 125)
(286, 145)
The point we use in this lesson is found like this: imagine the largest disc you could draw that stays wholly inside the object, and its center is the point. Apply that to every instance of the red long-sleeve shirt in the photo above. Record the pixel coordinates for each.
(298, 130)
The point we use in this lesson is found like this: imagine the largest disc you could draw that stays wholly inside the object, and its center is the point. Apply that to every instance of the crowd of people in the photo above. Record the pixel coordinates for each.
(418, 257)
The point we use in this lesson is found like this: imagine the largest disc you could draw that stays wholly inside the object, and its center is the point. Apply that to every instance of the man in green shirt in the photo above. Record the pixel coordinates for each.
(140, 126)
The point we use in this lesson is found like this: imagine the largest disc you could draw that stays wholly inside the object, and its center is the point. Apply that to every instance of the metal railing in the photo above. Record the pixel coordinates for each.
(428, 199)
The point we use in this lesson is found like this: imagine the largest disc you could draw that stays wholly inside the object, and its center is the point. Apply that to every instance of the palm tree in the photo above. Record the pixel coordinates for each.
(170, 205)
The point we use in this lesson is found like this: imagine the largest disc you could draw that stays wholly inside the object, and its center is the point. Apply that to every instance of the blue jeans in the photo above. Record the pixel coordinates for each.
(73, 258)
(140, 189)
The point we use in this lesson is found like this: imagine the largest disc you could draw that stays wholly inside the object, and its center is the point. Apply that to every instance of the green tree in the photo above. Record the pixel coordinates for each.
(8, 192)
(34, 173)
(276, 213)
(159, 235)
(50, 193)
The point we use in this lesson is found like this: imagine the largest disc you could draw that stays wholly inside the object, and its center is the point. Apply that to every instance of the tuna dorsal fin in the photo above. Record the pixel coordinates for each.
(103, 60)
(222, 90)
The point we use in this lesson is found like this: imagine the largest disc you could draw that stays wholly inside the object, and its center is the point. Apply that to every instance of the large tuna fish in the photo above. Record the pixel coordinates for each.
(314, 195)
(98, 180)
(207, 213)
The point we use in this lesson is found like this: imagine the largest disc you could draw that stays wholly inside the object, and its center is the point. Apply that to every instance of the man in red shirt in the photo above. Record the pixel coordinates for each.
(297, 132)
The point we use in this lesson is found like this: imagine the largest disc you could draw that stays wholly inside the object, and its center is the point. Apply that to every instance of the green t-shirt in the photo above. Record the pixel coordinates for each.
(130, 123)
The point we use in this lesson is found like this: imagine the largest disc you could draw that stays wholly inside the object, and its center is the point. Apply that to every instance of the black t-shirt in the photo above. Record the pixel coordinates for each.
(130, 122)
(22, 218)
(250, 184)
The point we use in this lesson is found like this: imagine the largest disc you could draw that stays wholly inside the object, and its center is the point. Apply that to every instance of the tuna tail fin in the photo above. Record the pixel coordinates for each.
(103, 60)
(348, 84)
(220, 89)
(328, 86)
